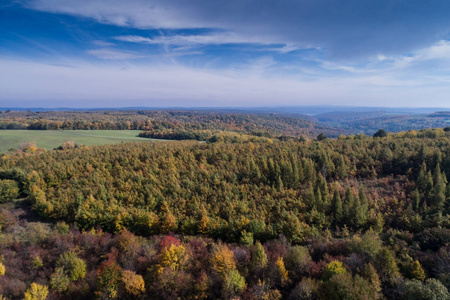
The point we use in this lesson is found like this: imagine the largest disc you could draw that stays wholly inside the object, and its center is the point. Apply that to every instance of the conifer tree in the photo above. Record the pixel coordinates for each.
(336, 207)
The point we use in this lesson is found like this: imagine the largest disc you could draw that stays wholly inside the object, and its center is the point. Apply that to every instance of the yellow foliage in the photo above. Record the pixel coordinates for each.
(36, 292)
(203, 225)
(281, 270)
(168, 220)
(417, 271)
(332, 268)
(222, 260)
(2, 269)
(133, 283)
(172, 257)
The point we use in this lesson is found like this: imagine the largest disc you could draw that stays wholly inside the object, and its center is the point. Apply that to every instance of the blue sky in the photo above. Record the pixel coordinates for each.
(117, 53)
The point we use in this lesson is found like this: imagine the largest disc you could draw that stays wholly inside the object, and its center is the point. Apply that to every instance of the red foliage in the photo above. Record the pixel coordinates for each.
(315, 269)
(168, 240)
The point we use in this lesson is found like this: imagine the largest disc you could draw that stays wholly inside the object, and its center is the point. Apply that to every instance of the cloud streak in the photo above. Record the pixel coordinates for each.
(162, 85)
(347, 28)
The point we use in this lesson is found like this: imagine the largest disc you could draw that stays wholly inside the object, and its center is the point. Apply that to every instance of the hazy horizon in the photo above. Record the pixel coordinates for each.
(138, 53)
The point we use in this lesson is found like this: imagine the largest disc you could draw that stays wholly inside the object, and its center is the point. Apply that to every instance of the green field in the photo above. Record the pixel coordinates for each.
(50, 139)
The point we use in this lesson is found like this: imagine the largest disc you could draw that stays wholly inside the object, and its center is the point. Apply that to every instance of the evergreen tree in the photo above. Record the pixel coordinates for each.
(438, 196)
(336, 207)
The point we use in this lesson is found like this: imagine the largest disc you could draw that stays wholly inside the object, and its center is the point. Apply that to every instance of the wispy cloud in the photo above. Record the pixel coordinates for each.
(219, 38)
(348, 29)
(161, 85)
(111, 54)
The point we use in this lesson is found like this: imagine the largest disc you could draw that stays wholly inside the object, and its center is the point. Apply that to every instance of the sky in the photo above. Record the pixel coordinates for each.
(229, 53)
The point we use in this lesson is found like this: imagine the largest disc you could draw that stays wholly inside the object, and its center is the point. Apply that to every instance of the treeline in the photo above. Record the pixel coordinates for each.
(274, 124)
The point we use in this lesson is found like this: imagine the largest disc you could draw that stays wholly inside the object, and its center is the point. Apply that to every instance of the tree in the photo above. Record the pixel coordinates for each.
(417, 271)
(259, 257)
(72, 264)
(336, 207)
(109, 277)
(168, 220)
(9, 189)
(36, 292)
(134, 285)
(332, 268)
(438, 199)
(222, 260)
(429, 290)
(380, 133)
(297, 260)
(233, 284)
(282, 273)
(171, 257)
(59, 281)
(321, 137)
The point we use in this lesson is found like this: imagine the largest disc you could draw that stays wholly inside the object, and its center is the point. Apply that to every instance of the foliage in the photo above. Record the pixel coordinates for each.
(9, 189)
(36, 292)
(222, 260)
(332, 268)
(133, 283)
(73, 265)
(59, 280)
(109, 277)
(431, 289)
(171, 257)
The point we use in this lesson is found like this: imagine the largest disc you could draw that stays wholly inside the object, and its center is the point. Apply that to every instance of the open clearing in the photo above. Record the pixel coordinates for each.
(50, 139)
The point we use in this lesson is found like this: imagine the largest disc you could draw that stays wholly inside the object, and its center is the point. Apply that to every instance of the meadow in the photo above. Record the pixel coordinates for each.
(50, 139)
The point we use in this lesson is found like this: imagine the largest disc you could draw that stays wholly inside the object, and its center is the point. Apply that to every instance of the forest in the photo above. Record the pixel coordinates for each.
(253, 211)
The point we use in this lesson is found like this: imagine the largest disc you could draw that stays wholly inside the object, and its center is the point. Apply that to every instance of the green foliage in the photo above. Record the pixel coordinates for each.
(59, 280)
(9, 189)
(297, 260)
(258, 257)
(246, 238)
(345, 287)
(73, 265)
(62, 227)
(37, 263)
(431, 289)
(233, 284)
(387, 266)
(368, 244)
(380, 133)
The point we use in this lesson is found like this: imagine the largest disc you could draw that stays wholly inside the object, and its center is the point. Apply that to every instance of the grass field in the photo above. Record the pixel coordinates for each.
(50, 139)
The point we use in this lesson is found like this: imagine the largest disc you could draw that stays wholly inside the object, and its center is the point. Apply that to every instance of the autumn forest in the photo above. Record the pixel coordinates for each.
(227, 206)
